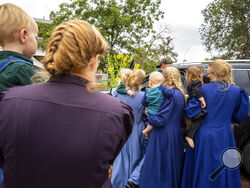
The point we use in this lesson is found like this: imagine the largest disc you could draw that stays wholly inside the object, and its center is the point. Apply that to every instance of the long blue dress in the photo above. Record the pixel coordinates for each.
(128, 164)
(164, 154)
(1, 175)
(214, 136)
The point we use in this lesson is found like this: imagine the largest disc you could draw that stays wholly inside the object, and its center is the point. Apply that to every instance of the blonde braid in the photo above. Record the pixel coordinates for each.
(52, 48)
(173, 79)
(178, 85)
(71, 47)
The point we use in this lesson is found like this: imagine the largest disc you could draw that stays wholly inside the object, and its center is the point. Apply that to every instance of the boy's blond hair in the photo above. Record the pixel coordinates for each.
(156, 78)
(13, 19)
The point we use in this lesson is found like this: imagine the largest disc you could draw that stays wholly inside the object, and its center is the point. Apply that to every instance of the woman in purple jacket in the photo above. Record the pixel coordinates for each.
(62, 133)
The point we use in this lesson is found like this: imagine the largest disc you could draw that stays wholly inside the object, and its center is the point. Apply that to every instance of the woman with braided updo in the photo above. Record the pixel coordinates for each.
(164, 154)
(62, 133)
(225, 104)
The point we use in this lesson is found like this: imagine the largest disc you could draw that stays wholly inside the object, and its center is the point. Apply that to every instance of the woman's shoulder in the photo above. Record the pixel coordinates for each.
(165, 90)
(234, 87)
(208, 86)
(109, 102)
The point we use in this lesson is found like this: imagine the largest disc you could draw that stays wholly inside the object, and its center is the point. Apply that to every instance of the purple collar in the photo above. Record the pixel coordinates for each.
(69, 79)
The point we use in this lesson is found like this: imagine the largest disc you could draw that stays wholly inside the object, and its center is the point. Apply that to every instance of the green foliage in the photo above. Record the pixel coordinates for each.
(226, 28)
(44, 31)
(160, 46)
(114, 63)
(124, 23)
(127, 25)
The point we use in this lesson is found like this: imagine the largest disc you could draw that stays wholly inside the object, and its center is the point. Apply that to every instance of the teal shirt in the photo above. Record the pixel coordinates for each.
(154, 99)
(121, 89)
(17, 73)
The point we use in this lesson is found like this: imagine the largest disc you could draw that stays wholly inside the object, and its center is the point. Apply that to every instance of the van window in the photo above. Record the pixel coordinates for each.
(242, 79)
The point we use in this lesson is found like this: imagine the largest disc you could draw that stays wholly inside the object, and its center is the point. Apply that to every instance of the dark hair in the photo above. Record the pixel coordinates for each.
(164, 61)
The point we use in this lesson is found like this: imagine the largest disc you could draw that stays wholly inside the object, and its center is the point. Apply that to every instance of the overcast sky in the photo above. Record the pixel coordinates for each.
(183, 18)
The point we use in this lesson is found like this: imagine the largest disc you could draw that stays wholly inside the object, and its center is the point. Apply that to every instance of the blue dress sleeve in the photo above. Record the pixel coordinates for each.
(242, 109)
(162, 117)
(193, 108)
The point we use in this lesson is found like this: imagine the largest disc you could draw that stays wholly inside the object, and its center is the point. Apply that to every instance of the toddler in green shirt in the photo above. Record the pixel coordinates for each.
(18, 38)
(121, 88)
(154, 97)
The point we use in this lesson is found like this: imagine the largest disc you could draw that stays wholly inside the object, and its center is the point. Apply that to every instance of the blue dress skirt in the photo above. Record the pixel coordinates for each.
(1, 175)
(225, 104)
(164, 154)
(127, 166)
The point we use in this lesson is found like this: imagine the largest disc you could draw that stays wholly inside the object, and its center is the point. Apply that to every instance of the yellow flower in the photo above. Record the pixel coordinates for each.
(118, 57)
(125, 59)
(131, 58)
(117, 79)
(107, 55)
(121, 54)
(110, 69)
(137, 65)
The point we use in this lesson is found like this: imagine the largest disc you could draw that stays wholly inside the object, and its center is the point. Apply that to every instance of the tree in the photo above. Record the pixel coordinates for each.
(159, 46)
(226, 28)
(127, 26)
(124, 23)
(44, 32)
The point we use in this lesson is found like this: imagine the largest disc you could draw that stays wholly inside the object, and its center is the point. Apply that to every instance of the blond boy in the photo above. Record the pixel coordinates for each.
(18, 38)
(154, 97)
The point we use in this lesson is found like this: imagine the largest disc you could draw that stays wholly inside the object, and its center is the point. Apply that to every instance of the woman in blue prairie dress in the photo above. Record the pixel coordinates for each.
(127, 166)
(164, 154)
(225, 104)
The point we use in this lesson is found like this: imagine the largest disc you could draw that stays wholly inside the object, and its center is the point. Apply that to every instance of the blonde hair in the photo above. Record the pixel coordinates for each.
(194, 73)
(39, 77)
(156, 78)
(124, 74)
(13, 19)
(173, 79)
(71, 47)
(135, 79)
(223, 71)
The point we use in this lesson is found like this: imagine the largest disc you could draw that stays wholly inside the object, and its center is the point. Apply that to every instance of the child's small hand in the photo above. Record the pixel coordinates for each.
(203, 103)
(190, 141)
(131, 93)
(147, 134)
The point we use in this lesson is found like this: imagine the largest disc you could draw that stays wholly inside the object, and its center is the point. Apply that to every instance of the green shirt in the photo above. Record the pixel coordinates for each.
(121, 89)
(17, 73)
(154, 99)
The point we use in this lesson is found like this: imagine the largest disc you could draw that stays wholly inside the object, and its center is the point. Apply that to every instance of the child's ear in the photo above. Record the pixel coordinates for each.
(23, 35)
